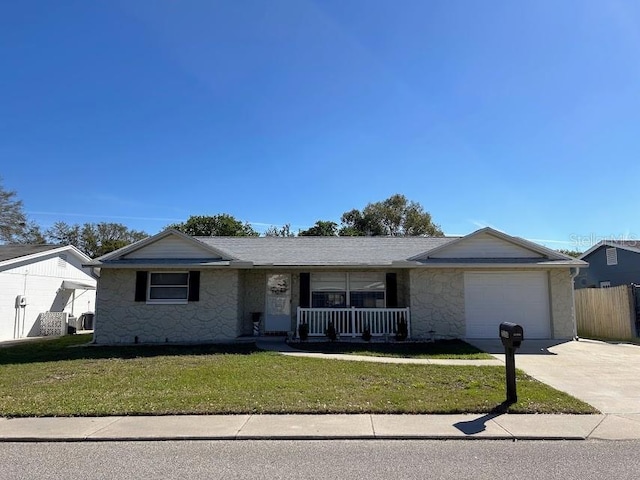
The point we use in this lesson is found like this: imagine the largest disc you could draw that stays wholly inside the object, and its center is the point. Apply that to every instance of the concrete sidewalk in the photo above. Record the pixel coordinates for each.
(316, 427)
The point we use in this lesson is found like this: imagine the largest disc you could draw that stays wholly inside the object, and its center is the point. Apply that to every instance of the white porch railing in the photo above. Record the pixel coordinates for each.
(353, 321)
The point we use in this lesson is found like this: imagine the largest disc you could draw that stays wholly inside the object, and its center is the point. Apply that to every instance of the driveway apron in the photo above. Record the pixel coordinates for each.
(604, 375)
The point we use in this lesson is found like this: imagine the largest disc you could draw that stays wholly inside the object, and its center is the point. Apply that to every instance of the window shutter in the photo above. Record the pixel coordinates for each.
(141, 286)
(194, 286)
(392, 290)
(305, 290)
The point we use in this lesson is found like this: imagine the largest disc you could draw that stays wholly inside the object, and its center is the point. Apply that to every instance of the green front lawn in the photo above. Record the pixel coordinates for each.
(453, 349)
(50, 378)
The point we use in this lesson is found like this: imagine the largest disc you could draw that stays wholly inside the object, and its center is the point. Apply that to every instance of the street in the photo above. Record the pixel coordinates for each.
(477, 459)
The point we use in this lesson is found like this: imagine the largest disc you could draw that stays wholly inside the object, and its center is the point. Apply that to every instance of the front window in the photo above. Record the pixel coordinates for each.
(168, 287)
(358, 289)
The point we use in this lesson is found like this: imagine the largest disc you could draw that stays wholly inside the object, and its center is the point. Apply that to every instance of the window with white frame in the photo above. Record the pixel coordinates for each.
(168, 287)
(355, 289)
(612, 256)
(606, 284)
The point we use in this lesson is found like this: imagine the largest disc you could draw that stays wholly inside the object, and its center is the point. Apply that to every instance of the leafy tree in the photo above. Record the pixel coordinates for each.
(571, 253)
(396, 216)
(13, 221)
(356, 223)
(284, 231)
(322, 228)
(222, 225)
(31, 235)
(94, 239)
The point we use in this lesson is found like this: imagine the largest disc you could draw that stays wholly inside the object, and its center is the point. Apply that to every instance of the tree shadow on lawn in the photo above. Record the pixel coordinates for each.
(73, 348)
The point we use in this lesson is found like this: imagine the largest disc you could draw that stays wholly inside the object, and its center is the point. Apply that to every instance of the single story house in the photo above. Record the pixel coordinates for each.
(38, 279)
(172, 287)
(611, 263)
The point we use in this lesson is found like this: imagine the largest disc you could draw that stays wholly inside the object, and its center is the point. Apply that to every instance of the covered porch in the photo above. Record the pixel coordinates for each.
(353, 321)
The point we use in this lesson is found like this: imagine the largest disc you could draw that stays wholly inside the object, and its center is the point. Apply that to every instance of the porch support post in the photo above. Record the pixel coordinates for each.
(353, 322)
(408, 316)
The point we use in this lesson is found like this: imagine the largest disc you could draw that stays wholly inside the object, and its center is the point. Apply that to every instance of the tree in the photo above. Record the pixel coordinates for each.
(31, 235)
(94, 239)
(222, 225)
(356, 223)
(322, 228)
(13, 220)
(284, 231)
(396, 217)
(571, 253)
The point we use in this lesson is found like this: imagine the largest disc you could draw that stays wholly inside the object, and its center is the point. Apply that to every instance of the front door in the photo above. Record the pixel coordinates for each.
(278, 308)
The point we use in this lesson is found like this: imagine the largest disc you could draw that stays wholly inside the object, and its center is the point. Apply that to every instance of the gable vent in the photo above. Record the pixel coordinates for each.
(62, 260)
(612, 256)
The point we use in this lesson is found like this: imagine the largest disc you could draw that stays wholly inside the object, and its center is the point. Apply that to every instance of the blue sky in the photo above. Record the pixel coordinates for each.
(524, 116)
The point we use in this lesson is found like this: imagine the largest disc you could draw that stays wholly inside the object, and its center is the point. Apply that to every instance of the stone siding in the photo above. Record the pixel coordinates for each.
(437, 303)
(563, 314)
(119, 319)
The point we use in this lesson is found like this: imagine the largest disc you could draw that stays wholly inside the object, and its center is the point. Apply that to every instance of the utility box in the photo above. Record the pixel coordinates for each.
(511, 334)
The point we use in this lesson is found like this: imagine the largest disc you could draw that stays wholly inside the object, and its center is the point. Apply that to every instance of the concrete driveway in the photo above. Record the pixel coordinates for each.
(604, 375)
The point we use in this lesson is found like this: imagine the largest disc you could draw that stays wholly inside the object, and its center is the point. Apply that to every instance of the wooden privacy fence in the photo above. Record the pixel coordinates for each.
(606, 312)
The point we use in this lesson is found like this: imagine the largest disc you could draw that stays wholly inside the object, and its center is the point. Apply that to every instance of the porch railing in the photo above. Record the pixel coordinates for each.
(353, 321)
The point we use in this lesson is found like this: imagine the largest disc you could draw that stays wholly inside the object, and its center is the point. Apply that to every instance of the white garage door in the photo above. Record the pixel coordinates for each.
(519, 297)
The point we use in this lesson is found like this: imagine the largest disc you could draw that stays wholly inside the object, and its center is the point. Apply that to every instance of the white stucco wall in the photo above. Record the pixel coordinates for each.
(119, 319)
(40, 280)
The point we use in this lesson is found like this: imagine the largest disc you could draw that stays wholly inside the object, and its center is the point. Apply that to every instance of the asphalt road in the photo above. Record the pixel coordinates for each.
(372, 460)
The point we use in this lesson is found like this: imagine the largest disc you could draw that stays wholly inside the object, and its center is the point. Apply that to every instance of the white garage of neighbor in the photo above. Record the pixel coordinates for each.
(494, 297)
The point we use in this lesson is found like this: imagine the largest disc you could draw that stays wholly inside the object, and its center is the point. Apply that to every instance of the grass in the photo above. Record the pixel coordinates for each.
(450, 349)
(56, 378)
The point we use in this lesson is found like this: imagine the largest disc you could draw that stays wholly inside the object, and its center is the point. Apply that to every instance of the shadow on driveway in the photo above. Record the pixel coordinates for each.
(529, 347)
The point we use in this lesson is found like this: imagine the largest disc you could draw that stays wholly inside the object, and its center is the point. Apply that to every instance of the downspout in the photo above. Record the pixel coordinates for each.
(574, 273)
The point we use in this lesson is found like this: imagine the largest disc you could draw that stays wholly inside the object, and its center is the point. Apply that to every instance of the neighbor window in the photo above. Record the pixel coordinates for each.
(168, 287)
(606, 284)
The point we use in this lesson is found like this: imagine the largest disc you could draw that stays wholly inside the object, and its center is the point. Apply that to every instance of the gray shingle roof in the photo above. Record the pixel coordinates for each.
(9, 252)
(324, 250)
(626, 243)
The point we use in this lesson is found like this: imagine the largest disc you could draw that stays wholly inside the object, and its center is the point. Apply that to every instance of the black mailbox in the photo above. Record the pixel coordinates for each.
(511, 334)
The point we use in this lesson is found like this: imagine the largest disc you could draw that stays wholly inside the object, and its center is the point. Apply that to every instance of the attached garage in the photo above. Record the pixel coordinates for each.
(494, 297)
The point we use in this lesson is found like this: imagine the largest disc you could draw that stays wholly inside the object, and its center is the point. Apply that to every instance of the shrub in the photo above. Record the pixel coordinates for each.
(330, 332)
(303, 331)
(402, 331)
(366, 334)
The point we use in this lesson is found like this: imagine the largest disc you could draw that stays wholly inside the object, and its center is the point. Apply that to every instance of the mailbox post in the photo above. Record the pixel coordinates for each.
(511, 335)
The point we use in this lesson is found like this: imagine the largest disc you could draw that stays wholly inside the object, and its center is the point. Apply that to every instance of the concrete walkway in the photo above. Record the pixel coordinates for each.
(279, 345)
(314, 427)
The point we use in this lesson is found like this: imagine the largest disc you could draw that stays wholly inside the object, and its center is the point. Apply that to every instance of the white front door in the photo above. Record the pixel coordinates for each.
(495, 297)
(278, 308)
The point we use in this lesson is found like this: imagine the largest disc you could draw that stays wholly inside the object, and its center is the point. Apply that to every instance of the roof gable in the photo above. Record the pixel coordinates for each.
(169, 244)
(13, 254)
(488, 243)
(629, 245)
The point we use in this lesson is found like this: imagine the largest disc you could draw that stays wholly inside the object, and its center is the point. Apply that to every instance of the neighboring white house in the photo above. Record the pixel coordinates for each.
(175, 288)
(35, 279)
